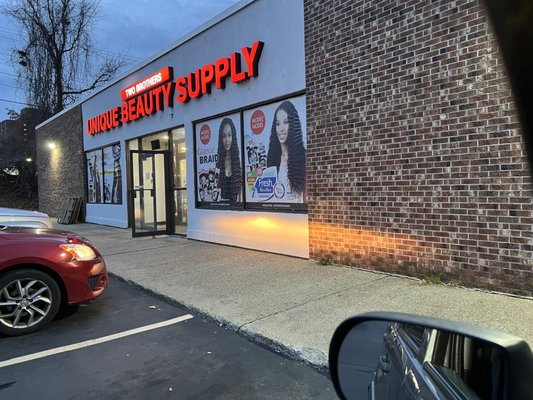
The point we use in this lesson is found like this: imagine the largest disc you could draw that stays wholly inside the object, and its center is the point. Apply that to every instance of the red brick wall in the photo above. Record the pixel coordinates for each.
(415, 159)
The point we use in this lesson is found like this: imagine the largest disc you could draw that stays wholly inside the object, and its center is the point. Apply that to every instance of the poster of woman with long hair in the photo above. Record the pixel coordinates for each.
(94, 172)
(108, 173)
(218, 163)
(112, 175)
(116, 187)
(275, 149)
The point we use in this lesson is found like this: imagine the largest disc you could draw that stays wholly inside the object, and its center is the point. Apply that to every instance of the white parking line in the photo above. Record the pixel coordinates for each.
(92, 342)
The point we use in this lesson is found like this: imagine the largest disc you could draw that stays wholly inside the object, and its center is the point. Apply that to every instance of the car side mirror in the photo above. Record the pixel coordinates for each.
(401, 356)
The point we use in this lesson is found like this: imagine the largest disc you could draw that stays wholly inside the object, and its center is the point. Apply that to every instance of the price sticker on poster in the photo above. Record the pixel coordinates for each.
(275, 144)
(218, 163)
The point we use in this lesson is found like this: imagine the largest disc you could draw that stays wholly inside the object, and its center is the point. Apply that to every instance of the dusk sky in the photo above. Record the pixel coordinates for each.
(137, 28)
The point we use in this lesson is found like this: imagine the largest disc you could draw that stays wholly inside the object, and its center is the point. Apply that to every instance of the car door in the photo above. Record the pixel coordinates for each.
(399, 374)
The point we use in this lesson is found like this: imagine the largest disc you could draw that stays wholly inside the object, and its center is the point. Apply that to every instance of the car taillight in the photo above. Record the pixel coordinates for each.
(79, 252)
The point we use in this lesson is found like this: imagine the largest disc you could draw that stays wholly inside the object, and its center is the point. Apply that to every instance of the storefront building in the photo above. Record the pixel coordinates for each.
(188, 143)
(378, 134)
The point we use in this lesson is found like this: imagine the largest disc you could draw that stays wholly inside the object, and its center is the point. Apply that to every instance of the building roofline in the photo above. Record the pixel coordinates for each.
(192, 34)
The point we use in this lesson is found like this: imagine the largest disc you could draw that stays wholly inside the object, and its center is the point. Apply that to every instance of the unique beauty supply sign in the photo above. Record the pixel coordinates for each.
(158, 91)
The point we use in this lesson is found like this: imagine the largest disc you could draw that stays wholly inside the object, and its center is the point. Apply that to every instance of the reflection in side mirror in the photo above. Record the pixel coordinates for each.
(407, 357)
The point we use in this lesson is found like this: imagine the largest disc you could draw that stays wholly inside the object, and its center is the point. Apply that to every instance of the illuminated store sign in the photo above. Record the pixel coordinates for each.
(152, 81)
(198, 83)
(155, 92)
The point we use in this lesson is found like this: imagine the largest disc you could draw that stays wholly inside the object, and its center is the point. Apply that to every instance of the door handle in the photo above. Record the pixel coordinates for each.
(411, 384)
(384, 363)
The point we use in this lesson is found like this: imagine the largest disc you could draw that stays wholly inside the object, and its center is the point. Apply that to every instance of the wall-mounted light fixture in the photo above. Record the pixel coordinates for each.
(29, 159)
(51, 145)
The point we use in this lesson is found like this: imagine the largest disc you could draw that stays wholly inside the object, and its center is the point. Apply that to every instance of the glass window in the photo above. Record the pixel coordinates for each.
(275, 143)
(414, 337)
(158, 141)
(179, 151)
(104, 175)
(219, 179)
(94, 176)
(255, 159)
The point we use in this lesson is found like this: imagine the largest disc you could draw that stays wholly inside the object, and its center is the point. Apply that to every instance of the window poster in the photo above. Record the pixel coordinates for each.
(94, 176)
(112, 171)
(275, 143)
(218, 162)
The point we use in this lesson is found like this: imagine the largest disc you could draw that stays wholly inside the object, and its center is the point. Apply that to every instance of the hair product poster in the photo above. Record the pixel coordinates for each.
(108, 173)
(218, 162)
(275, 143)
(112, 174)
(94, 176)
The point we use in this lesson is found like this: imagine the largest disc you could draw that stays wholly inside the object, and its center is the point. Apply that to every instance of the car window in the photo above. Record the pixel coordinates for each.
(465, 368)
(414, 337)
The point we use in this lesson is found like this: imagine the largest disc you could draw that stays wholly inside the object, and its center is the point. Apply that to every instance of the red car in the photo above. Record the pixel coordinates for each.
(41, 271)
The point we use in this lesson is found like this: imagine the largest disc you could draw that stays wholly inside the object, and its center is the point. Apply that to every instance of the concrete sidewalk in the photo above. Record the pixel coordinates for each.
(289, 303)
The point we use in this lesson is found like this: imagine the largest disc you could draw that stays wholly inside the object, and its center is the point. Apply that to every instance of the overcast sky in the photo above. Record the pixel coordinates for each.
(138, 28)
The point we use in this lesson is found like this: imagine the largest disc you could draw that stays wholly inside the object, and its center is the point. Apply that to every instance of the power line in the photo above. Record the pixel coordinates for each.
(7, 37)
(8, 73)
(17, 102)
(3, 28)
(10, 86)
(16, 36)
(103, 53)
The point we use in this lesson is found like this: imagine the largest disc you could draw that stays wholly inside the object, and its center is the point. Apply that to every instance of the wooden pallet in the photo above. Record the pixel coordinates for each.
(70, 210)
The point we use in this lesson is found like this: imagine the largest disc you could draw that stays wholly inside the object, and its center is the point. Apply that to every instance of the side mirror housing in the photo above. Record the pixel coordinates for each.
(392, 355)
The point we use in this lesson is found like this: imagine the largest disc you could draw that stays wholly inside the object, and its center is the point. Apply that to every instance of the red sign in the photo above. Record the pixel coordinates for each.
(147, 83)
(257, 122)
(198, 83)
(205, 134)
(136, 108)
(157, 91)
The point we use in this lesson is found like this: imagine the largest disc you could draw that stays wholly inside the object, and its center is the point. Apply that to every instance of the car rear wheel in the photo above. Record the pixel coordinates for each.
(29, 299)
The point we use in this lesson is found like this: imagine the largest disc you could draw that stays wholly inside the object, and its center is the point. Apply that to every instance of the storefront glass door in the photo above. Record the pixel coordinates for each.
(149, 192)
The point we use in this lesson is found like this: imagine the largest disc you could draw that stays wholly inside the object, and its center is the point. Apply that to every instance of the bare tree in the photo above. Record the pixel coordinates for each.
(58, 61)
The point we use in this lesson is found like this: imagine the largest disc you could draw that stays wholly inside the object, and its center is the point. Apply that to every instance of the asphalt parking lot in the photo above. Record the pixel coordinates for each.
(129, 344)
